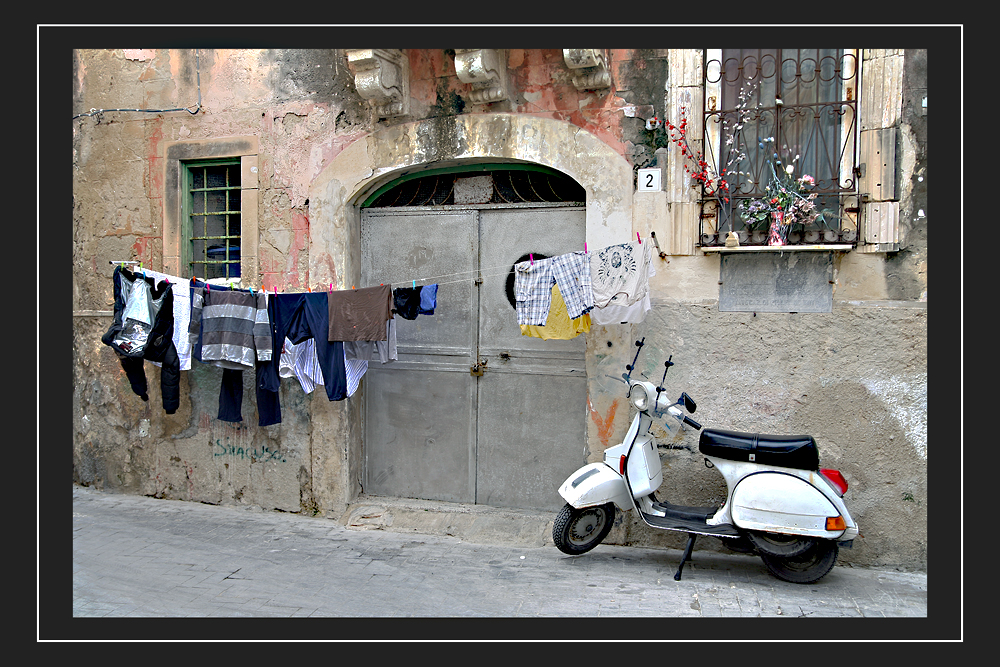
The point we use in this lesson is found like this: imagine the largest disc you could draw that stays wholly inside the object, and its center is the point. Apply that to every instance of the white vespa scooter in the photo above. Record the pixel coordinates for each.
(779, 504)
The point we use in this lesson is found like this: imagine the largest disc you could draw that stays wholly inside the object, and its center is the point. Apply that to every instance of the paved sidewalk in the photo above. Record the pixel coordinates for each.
(143, 557)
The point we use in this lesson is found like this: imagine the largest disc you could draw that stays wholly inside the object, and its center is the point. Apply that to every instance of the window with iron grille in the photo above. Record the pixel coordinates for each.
(781, 122)
(212, 192)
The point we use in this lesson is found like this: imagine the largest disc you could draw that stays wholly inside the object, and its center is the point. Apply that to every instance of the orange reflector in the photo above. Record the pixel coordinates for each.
(835, 523)
(621, 465)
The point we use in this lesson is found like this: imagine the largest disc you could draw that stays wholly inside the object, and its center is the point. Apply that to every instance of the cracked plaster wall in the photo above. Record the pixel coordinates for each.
(320, 150)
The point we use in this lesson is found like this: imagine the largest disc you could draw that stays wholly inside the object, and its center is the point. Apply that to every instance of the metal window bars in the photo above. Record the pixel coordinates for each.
(215, 195)
(766, 110)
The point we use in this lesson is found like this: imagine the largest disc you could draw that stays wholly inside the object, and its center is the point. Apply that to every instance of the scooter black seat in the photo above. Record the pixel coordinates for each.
(787, 451)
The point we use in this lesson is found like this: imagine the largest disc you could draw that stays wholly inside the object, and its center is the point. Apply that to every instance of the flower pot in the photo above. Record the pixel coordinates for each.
(776, 234)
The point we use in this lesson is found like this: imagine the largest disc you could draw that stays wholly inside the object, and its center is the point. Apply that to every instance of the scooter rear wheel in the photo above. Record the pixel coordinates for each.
(780, 545)
(806, 568)
(576, 531)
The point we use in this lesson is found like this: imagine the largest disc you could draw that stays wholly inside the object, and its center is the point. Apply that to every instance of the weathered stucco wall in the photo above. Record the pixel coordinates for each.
(855, 378)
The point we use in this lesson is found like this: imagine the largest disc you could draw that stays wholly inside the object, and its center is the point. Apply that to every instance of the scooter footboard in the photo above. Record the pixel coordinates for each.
(596, 484)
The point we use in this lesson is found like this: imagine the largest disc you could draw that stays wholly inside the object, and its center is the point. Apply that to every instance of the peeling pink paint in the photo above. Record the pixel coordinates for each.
(139, 54)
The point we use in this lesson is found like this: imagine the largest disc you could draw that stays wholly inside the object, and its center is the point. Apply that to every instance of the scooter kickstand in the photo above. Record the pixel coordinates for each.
(686, 556)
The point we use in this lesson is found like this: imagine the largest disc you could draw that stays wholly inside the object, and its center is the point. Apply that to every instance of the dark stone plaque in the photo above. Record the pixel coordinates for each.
(773, 282)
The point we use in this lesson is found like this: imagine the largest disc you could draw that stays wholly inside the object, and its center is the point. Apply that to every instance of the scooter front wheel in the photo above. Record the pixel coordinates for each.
(805, 568)
(576, 531)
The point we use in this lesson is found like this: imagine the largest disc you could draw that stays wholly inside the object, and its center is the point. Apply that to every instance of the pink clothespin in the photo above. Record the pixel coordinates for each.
(638, 237)
(531, 256)
(585, 247)
(331, 288)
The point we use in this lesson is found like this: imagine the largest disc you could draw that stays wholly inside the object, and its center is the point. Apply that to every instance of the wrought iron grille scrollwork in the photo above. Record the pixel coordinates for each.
(509, 186)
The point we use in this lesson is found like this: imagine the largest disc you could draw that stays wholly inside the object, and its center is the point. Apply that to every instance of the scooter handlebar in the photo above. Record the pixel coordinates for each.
(691, 422)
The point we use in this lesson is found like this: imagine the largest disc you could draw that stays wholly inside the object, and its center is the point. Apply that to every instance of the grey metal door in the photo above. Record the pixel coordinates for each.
(433, 428)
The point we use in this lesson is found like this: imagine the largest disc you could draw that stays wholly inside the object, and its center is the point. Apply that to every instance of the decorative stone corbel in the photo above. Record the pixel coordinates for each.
(486, 71)
(382, 76)
(589, 67)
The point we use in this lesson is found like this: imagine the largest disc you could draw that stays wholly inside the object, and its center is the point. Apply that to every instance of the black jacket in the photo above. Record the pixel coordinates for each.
(134, 341)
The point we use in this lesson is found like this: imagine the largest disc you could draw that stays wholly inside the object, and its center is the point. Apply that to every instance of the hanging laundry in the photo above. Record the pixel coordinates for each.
(356, 369)
(229, 328)
(182, 315)
(300, 361)
(620, 275)
(558, 325)
(143, 330)
(428, 299)
(408, 302)
(370, 350)
(300, 317)
(359, 314)
(533, 282)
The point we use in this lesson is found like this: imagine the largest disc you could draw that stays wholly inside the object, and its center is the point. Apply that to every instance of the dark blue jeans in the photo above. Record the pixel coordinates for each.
(299, 317)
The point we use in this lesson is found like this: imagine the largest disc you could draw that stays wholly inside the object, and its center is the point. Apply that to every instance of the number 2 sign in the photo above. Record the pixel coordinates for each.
(648, 180)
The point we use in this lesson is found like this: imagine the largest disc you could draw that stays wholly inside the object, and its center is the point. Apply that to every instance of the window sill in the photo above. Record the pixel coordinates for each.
(831, 247)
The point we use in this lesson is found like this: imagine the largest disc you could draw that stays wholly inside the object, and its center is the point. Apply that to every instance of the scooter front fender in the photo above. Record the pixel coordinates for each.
(596, 484)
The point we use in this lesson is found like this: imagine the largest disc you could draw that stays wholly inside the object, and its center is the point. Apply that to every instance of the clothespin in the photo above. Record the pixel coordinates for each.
(331, 288)
(275, 290)
(414, 284)
(584, 247)
(531, 256)
(638, 237)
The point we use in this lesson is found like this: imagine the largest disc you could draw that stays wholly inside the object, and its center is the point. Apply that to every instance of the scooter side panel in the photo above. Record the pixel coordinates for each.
(645, 473)
(596, 484)
(784, 503)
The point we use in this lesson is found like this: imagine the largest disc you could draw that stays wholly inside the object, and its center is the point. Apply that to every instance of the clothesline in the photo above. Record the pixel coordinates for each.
(503, 270)
(472, 274)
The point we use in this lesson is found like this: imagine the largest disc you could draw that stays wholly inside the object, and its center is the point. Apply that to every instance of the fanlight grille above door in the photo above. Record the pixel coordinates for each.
(480, 187)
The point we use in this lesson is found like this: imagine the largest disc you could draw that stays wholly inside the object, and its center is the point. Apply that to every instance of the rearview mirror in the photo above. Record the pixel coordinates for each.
(689, 403)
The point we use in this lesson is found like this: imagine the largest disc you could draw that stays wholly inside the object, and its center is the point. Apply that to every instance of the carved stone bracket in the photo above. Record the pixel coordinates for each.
(486, 71)
(589, 67)
(382, 76)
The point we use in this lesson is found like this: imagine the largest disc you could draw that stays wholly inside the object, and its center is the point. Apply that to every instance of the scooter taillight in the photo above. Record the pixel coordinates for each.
(835, 478)
(621, 465)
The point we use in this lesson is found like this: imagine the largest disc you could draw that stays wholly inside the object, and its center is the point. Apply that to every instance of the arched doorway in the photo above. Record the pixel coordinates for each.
(471, 410)
(339, 192)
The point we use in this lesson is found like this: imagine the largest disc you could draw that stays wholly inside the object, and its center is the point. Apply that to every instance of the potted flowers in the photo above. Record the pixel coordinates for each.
(788, 200)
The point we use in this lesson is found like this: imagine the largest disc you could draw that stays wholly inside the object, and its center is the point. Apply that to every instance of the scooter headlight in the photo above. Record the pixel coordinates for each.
(639, 396)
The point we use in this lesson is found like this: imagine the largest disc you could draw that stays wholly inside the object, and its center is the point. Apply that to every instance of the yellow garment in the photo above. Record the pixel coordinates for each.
(558, 324)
